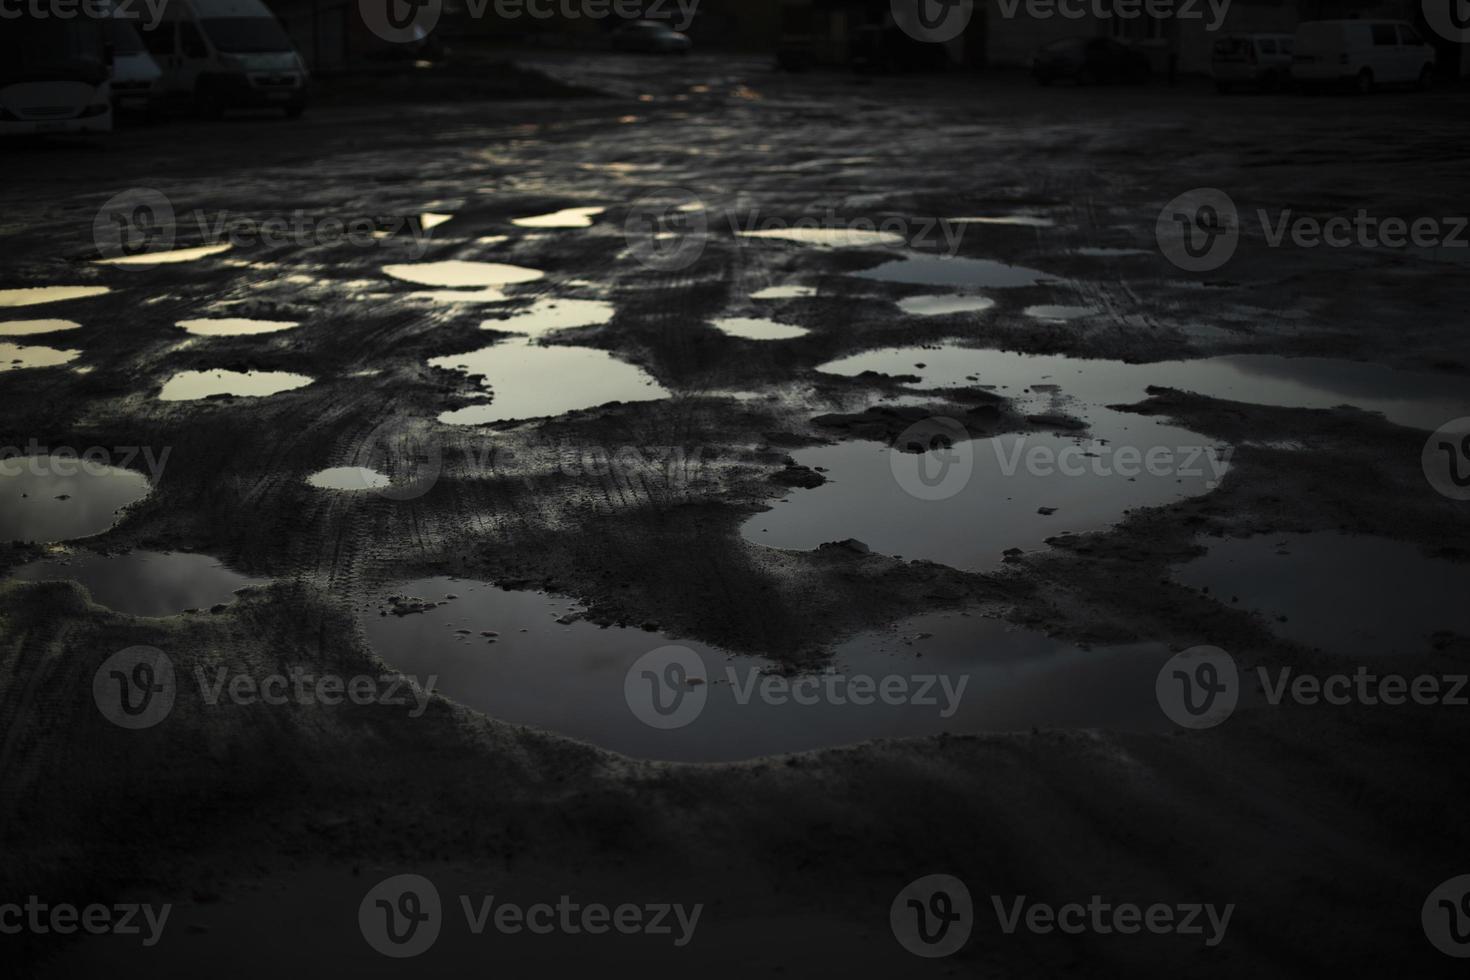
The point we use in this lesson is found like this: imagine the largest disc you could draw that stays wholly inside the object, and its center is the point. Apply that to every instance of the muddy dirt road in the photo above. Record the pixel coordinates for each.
(592, 347)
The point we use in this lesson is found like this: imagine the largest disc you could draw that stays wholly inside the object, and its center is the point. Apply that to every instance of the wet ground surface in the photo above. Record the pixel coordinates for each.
(510, 393)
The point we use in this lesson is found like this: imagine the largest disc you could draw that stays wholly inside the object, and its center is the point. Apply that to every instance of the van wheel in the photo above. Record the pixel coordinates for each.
(1426, 78)
(1363, 84)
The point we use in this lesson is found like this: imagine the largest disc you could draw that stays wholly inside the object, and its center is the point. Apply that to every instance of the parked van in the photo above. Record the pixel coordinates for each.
(54, 75)
(1259, 60)
(1362, 54)
(137, 81)
(227, 54)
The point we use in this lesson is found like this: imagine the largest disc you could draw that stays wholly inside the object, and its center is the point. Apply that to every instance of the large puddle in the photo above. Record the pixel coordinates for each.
(944, 305)
(785, 292)
(194, 385)
(28, 328)
(550, 315)
(1351, 595)
(14, 357)
(756, 328)
(938, 270)
(1419, 399)
(565, 218)
(958, 673)
(144, 583)
(235, 327)
(460, 274)
(829, 237)
(37, 295)
(57, 498)
(348, 479)
(528, 381)
(171, 257)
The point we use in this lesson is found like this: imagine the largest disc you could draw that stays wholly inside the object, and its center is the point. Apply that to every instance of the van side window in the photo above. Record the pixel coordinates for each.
(1384, 36)
(1267, 45)
(159, 40)
(192, 42)
(1407, 36)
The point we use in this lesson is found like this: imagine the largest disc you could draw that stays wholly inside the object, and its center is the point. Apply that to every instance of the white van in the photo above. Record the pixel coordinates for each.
(227, 54)
(137, 81)
(54, 75)
(1362, 54)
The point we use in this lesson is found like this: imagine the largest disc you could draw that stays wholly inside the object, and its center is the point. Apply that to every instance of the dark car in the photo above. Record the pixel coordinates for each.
(1089, 61)
(650, 37)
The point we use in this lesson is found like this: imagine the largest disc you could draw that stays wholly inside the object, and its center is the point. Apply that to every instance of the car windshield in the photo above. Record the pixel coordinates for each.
(247, 35)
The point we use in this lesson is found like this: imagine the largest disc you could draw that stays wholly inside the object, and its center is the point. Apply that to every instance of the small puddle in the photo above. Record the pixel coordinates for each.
(348, 478)
(1019, 220)
(530, 381)
(1418, 399)
(944, 305)
(1352, 595)
(172, 257)
(430, 220)
(235, 327)
(194, 385)
(785, 292)
(36, 295)
(574, 678)
(57, 498)
(487, 295)
(931, 270)
(26, 328)
(566, 218)
(1108, 252)
(754, 328)
(15, 357)
(1060, 314)
(144, 583)
(829, 237)
(462, 274)
(549, 315)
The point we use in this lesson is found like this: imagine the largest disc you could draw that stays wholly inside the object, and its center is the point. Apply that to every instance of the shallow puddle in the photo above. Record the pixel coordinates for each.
(1418, 399)
(235, 327)
(15, 357)
(462, 274)
(1108, 252)
(193, 385)
(144, 583)
(1352, 595)
(487, 295)
(36, 295)
(430, 220)
(549, 315)
(348, 478)
(829, 237)
(785, 292)
(1019, 220)
(168, 258)
(529, 381)
(938, 270)
(57, 498)
(566, 218)
(944, 305)
(1060, 314)
(27, 328)
(977, 675)
(755, 328)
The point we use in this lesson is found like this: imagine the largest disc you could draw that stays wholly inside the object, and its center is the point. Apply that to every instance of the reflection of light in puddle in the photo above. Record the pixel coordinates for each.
(13, 356)
(1103, 252)
(430, 220)
(570, 678)
(348, 478)
(874, 493)
(566, 218)
(36, 295)
(1020, 220)
(785, 292)
(144, 583)
(943, 305)
(193, 385)
(168, 258)
(829, 237)
(459, 273)
(549, 315)
(26, 328)
(490, 295)
(1417, 399)
(1352, 595)
(754, 328)
(55, 498)
(1060, 313)
(530, 382)
(930, 270)
(235, 327)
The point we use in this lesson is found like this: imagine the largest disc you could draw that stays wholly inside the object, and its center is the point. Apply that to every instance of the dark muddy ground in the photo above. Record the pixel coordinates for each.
(1326, 826)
